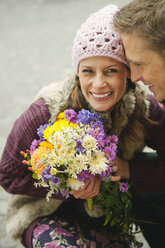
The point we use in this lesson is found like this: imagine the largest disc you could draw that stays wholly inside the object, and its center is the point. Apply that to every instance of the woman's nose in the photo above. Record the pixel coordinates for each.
(99, 80)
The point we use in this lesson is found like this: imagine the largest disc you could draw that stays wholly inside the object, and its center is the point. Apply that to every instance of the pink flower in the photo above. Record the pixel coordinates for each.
(39, 230)
(54, 244)
(70, 246)
(62, 231)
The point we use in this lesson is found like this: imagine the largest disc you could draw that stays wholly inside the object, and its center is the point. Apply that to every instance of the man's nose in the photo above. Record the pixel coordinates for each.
(135, 75)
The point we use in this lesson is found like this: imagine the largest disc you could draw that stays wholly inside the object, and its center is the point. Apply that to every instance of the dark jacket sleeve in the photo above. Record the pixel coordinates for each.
(148, 173)
(14, 175)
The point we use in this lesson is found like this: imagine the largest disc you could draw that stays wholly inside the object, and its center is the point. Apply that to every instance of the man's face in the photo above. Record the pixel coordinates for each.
(145, 64)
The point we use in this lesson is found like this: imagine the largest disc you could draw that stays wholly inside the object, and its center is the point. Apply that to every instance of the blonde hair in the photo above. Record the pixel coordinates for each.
(145, 18)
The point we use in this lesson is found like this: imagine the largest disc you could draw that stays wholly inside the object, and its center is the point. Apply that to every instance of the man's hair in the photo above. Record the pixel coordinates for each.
(146, 19)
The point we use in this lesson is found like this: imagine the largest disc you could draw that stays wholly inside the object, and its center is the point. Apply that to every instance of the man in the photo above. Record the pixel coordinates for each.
(142, 27)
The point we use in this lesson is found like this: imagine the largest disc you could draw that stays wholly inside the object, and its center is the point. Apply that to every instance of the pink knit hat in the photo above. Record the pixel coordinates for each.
(97, 37)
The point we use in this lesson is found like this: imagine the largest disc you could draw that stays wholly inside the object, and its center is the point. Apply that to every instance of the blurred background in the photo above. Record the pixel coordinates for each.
(35, 49)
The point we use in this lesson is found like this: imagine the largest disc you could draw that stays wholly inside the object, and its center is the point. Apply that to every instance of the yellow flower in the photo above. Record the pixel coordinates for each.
(61, 116)
(59, 125)
(36, 156)
(48, 132)
(47, 144)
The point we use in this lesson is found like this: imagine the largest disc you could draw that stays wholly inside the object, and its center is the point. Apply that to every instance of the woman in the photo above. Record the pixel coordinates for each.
(101, 84)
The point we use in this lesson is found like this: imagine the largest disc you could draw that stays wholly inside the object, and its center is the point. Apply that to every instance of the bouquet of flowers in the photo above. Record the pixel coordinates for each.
(76, 148)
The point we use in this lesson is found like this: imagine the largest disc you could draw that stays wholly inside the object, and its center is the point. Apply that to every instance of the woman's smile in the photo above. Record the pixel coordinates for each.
(101, 96)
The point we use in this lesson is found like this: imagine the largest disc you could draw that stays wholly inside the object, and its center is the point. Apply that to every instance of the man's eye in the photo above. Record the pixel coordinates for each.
(135, 64)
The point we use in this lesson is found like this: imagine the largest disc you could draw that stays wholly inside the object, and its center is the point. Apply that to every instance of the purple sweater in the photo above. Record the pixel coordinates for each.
(16, 179)
(149, 175)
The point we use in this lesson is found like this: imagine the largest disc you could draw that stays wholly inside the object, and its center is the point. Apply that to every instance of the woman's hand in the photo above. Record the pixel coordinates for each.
(90, 189)
(121, 169)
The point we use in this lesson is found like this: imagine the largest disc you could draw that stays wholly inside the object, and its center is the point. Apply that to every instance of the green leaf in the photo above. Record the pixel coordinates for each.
(90, 203)
(107, 219)
(34, 175)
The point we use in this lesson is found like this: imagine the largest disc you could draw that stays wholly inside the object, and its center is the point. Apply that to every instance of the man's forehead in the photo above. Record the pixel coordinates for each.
(136, 50)
(134, 43)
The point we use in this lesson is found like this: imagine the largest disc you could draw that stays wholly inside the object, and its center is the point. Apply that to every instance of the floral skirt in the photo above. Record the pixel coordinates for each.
(53, 231)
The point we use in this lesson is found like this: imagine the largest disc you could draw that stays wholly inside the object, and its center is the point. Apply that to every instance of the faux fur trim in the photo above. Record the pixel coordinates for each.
(56, 95)
(23, 210)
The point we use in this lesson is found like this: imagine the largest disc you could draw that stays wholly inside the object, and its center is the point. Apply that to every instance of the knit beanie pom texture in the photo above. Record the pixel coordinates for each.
(97, 37)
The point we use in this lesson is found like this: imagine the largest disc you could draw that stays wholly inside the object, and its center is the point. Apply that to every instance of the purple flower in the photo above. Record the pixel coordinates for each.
(85, 116)
(109, 170)
(104, 176)
(41, 129)
(98, 118)
(79, 147)
(97, 132)
(65, 193)
(110, 153)
(34, 145)
(47, 176)
(55, 180)
(70, 115)
(97, 124)
(124, 187)
(83, 175)
(113, 139)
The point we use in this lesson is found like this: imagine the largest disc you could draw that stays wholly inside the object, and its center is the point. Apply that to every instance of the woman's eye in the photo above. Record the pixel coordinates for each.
(87, 70)
(111, 70)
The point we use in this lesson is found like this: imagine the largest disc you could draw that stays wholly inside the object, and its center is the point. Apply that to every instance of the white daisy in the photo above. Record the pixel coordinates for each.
(74, 184)
(98, 163)
(89, 143)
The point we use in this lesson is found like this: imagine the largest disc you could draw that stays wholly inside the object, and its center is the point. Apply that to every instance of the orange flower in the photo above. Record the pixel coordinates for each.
(36, 156)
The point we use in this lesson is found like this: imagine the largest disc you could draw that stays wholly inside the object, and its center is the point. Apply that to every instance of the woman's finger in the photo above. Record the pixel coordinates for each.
(115, 178)
(115, 168)
(90, 189)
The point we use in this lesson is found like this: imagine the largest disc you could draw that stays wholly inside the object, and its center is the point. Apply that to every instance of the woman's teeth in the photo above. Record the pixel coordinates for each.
(102, 95)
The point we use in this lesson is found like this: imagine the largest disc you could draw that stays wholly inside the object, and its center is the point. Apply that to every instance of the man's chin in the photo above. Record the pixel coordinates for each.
(159, 97)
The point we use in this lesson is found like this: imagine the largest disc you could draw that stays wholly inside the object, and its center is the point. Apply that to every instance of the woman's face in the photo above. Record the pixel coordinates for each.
(102, 81)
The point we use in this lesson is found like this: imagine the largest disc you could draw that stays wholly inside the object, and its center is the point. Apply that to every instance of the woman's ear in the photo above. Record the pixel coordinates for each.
(77, 77)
